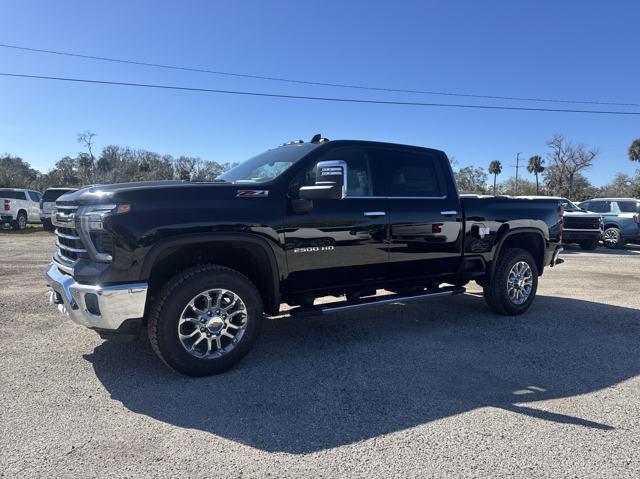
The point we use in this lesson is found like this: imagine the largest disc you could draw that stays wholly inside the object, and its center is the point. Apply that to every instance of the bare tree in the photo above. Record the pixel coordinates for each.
(566, 162)
(86, 138)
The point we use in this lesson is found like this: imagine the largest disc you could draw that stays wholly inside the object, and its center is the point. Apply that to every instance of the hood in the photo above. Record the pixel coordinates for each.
(582, 214)
(143, 190)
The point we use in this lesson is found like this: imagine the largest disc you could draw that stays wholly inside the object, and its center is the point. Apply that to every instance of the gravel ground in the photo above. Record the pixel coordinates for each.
(441, 389)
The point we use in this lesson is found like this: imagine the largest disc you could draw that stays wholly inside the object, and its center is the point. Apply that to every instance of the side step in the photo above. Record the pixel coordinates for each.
(391, 298)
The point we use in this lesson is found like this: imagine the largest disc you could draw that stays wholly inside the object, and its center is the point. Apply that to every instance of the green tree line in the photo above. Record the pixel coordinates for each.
(559, 173)
(114, 164)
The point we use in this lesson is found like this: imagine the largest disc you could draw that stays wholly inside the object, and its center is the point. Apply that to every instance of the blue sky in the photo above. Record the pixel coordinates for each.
(569, 50)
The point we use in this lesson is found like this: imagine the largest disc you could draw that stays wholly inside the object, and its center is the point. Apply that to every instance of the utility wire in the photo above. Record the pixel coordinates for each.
(316, 98)
(306, 82)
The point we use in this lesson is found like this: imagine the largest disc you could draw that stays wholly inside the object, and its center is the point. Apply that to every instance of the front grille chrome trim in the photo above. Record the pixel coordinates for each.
(69, 248)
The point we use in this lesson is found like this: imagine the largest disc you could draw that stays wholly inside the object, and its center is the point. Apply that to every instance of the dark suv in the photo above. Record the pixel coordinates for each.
(621, 218)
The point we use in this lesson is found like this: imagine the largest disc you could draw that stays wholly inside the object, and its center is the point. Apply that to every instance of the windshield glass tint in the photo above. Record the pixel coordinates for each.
(629, 206)
(268, 165)
(52, 195)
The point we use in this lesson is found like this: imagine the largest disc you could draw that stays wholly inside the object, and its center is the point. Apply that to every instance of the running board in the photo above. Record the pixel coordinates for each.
(391, 298)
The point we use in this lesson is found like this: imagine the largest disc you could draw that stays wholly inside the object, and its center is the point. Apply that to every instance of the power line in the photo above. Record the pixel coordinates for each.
(316, 98)
(307, 82)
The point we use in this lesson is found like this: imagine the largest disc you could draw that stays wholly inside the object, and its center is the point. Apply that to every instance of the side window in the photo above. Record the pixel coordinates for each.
(359, 173)
(600, 206)
(34, 196)
(412, 174)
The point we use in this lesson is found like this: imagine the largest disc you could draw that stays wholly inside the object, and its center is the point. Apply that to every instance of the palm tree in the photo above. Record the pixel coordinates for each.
(535, 167)
(495, 168)
(634, 150)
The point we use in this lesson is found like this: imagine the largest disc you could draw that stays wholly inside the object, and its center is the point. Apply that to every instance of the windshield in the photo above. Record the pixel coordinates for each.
(629, 206)
(569, 206)
(268, 165)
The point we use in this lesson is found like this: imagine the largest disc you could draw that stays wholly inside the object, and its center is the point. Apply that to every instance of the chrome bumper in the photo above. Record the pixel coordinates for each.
(109, 306)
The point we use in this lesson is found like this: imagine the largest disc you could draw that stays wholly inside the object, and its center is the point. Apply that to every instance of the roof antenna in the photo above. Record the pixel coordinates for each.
(318, 139)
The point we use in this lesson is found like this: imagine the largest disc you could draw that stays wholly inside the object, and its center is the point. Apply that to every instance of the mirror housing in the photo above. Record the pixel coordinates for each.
(331, 182)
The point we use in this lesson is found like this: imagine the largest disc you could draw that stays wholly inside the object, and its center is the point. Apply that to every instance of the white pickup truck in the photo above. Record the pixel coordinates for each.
(19, 207)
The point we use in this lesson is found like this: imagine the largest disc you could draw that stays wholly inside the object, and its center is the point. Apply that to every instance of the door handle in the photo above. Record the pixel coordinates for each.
(449, 213)
(373, 214)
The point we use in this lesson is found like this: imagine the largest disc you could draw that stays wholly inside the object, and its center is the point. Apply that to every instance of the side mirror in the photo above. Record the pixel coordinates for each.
(331, 182)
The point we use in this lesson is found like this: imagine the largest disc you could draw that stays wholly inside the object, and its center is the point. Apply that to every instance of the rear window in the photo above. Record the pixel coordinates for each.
(52, 195)
(13, 195)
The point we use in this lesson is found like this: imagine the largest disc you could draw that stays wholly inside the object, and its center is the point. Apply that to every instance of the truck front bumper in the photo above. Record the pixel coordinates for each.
(110, 310)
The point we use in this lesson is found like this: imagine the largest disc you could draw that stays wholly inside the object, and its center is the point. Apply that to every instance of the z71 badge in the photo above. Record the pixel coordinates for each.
(253, 193)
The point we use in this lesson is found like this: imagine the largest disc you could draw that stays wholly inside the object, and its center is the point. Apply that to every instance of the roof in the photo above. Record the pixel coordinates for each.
(611, 199)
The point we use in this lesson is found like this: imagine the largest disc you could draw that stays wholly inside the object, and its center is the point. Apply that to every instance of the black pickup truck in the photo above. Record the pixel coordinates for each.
(200, 264)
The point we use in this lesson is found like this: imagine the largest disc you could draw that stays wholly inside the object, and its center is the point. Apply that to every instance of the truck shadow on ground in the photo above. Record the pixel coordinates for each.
(314, 384)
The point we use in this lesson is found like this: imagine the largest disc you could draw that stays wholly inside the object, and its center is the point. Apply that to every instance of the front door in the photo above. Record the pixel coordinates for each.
(425, 217)
(338, 242)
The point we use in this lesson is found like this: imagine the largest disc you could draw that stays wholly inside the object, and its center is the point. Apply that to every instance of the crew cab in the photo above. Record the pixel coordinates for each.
(19, 207)
(48, 203)
(621, 217)
(580, 226)
(200, 264)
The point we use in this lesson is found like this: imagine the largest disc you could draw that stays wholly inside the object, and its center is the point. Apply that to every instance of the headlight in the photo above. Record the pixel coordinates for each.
(91, 219)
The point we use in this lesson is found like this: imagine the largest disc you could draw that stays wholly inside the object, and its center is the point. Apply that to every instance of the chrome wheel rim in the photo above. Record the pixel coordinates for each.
(212, 324)
(22, 222)
(520, 282)
(610, 236)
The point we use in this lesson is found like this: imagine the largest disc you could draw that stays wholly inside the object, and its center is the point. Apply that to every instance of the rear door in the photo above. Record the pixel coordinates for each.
(338, 242)
(425, 215)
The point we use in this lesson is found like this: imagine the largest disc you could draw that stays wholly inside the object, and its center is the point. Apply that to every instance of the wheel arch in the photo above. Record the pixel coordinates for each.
(248, 254)
(529, 239)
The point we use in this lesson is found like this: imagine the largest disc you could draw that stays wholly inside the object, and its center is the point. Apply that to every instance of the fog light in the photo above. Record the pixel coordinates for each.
(91, 302)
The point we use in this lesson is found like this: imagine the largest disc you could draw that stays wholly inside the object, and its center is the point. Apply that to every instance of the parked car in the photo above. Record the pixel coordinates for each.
(19, 207)
(199, 264)
(621, 218)
(580, 226)
(47, 204)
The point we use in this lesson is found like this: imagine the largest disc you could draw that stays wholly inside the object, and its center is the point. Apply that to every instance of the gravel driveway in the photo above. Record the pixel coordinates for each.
(442, 388)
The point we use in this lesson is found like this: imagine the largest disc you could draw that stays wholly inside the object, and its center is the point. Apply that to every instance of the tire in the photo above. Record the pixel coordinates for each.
(47, 226)
(612, 238)
(497, 291)
(20, 224)
(172, 306)
(589, 245)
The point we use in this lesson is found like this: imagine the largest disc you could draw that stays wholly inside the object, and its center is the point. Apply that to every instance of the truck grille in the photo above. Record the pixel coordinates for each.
(577, 223)
(70, 247)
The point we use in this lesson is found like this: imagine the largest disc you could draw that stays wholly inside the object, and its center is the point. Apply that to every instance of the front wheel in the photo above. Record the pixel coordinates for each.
(612, 238)
(513, 287)
(205, 320)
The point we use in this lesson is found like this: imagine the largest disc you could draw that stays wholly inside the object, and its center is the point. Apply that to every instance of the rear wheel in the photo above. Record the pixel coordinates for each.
(20, 223)
(612, 238)
(589, 244)
(206, 320)
(513, 287)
